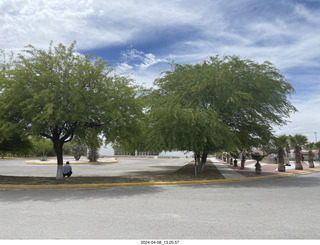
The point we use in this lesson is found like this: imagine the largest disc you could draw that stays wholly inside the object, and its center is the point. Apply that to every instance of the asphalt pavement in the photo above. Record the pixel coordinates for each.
(264, 208)
(123, 166)
(275, 208)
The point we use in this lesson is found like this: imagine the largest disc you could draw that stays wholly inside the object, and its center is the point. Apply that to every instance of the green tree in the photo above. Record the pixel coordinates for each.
(15, 145)
(59, 93)
(296, 142)
(281, 143)
(220, 104)
(93, 143)
(141, 139)
(42, 147)
(310, 147)
(76, 148)
(317, 146)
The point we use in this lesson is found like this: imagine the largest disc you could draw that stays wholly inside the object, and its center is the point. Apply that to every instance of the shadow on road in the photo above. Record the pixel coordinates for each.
(57, 195)
(294, 181)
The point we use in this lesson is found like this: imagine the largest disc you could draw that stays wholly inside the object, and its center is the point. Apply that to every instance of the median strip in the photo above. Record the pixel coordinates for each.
(100, 185)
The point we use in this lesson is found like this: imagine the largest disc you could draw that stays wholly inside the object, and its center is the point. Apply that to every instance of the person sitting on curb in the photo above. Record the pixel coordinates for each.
(67, 170)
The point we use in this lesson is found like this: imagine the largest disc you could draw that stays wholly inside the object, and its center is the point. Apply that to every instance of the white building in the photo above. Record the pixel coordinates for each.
(107, 150)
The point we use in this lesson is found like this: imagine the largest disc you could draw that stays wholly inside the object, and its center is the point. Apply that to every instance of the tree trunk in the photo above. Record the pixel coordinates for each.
(310, 159)
(197, 163)
(287, 151)
(58, 146)
(298, 158)
(231, 161)
(235, 162)
(281, 166)
(243, 160)
(203, 160)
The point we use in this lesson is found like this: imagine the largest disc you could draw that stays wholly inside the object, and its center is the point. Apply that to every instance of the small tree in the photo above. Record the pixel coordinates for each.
(310, 147)
(258, 157)
(317, 146)
(235, 155)
(297, 141)
(78, 149)
(43, 148)
(243, 155)
(93, 154)
(281, 142)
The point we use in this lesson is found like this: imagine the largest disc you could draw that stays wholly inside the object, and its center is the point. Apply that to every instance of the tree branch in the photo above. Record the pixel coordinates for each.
(46, 136)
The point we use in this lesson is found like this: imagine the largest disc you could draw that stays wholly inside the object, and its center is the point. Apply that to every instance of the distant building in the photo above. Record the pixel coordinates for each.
(108, 150)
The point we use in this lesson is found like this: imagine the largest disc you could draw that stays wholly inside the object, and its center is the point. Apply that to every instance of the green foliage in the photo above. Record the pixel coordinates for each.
(310, 146)
(140, 138)
(59, 94)
(298, 140)
(281, 141)
(15, 145)
(42, 148)
(256, 156)
(234, 154)
(317, 146)
(93, 154)
(75, 148)
(62, 92)
(219, 104)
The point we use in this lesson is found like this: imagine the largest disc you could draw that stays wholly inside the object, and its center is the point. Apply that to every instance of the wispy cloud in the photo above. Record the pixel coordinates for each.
(138, 59)
(306, 121)
(159, 32)
(92, 23)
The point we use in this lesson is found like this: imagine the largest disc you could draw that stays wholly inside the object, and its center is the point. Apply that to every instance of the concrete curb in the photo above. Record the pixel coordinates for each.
(100, 185)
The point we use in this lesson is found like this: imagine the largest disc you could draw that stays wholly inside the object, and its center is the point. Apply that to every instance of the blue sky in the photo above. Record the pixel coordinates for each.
(140, 38)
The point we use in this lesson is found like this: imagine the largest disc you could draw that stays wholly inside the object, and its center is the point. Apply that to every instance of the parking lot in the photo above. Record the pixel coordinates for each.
(124, 166)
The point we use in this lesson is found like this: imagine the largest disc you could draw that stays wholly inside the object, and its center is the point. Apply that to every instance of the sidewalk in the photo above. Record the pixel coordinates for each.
(231, 172)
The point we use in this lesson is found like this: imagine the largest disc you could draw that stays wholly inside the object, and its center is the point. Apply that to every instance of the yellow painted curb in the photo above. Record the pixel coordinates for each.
(61, 186)
(72, 163)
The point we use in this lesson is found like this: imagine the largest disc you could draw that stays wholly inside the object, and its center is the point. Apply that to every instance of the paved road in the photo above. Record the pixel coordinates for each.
(125, 166)
(277, 208)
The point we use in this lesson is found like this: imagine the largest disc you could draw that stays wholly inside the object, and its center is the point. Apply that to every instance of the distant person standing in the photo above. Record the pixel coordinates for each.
(67, 170)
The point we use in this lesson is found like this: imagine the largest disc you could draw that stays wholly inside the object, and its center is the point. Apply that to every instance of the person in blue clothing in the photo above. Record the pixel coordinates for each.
(67, 170)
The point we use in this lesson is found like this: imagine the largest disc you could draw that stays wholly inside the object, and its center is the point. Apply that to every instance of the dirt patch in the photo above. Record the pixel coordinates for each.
(186, 173)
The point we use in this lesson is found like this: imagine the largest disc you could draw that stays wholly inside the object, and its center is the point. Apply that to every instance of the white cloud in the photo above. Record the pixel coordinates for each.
(124, 67)
(140, 59)
(92, 23)
(283, 32)
(39, 22)
(287, 40)
(305, 121)
(137, 64)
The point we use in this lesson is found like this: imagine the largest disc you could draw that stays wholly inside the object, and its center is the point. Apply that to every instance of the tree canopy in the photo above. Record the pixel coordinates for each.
(60, 93)
(219, 104)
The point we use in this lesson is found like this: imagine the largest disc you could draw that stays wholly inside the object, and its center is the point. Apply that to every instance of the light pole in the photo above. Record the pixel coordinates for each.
(315, 134)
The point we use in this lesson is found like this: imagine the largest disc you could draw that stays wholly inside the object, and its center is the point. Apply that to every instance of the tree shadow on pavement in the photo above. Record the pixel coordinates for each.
(305, 180)
(58, 195)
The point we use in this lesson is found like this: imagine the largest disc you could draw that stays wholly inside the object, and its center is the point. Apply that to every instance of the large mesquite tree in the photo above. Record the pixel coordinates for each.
(59, 93)
(222, 103)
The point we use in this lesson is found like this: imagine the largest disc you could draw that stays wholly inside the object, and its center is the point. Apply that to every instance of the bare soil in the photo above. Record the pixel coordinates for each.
(186, 173)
